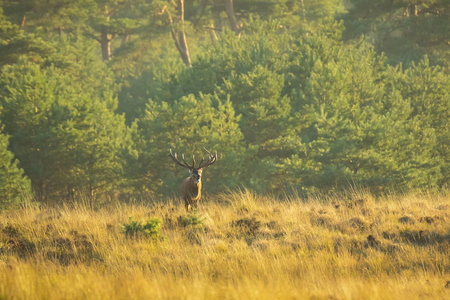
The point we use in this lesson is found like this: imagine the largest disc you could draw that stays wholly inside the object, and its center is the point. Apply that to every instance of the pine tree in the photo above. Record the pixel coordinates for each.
(362, 123)
(427, 90)
(14, 186)
(187, 126)
(63, 128)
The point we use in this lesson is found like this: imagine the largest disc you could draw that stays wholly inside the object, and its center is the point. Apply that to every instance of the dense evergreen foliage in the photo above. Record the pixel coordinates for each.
(14, 187)
(305, 94)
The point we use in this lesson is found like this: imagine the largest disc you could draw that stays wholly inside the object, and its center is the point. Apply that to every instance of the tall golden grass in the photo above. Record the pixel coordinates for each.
(251, 247)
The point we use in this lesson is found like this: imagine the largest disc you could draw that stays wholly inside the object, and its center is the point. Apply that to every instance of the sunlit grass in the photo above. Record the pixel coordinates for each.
(240, 245)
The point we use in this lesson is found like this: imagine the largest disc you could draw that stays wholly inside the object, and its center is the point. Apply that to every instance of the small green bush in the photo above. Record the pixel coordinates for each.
(151, 229)
(193, 219)
(131, 228)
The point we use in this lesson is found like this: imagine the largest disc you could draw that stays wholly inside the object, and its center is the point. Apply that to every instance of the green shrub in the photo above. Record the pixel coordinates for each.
(131, 228)
(194, 220)
(150, 230)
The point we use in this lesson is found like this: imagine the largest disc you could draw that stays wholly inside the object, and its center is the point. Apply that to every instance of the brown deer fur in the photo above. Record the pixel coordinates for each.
(191, 191)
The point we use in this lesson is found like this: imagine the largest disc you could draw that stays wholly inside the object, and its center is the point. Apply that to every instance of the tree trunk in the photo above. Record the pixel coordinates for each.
(105, 36)
(182, 42)
(22, 26)
(212, 32)
(231, 16)
(179, 35)
(105, 44)
(125, 40)
(303, 10)
(39, 192)
(218, 22)
(216, 26)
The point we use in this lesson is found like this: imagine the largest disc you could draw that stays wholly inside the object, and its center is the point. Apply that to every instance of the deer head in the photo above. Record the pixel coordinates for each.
(191, 187)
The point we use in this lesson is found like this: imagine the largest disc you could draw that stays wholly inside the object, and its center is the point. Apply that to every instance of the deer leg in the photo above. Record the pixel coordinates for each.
(188, 204)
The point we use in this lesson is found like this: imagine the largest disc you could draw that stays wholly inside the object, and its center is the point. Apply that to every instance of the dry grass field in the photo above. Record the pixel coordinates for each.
(239, 245)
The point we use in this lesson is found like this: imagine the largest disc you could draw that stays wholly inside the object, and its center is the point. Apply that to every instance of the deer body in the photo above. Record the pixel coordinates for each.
(191, 192)
(191, 189)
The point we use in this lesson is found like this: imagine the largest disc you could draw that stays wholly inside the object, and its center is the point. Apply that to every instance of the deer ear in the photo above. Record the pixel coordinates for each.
(199, 171)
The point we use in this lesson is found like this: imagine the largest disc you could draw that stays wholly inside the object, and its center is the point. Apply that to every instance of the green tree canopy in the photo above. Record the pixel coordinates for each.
(14, 186)
(63, 128)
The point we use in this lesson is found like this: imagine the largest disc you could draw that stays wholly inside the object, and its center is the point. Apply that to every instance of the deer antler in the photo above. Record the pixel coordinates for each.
(184, 164)
(203, 163)
(212, 159)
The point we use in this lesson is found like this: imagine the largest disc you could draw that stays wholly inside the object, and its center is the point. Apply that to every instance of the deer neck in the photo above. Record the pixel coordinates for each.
(195, 186)
(192, 188)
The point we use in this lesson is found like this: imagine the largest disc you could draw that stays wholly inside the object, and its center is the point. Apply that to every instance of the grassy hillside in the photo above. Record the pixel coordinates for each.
(239, 246)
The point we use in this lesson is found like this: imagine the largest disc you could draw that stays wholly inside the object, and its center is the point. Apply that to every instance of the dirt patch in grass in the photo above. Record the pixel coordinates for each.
(16, 242)
(72, 248)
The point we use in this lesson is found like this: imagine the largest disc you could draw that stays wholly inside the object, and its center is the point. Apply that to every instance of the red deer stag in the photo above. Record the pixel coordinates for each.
(191, 188)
